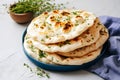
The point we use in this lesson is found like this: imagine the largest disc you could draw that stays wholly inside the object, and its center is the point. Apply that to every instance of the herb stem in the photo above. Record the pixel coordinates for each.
(38, 71)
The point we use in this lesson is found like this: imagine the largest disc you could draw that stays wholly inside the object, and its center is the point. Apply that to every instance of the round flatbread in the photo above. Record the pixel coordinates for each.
(33, 51)
(57, 59)
(90, 36)
(84, 50)
(60, 25)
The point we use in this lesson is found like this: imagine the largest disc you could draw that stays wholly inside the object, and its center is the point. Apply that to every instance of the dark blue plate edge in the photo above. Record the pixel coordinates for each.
(61, 68)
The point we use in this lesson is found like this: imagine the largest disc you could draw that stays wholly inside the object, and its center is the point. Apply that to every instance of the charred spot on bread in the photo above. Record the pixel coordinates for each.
(56, 11)
(64, 13)
(52, 18)
(45, 13)
(68, 26)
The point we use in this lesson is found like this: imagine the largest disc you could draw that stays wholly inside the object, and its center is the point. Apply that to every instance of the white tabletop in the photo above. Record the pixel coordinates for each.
(12, 56)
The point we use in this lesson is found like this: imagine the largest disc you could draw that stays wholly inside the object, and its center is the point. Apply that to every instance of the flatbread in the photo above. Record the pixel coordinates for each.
(84, 50)
(33, 51)
(74, 60)
(28, 45)
(60, 25)
(57, 59)
(90, 36)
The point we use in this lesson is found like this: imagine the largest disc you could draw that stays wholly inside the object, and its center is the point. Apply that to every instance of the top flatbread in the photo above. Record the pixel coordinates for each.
(90, 36)
(60, 25)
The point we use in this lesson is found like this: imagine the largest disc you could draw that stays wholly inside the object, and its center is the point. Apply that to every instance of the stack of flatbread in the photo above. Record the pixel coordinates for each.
(65, 37)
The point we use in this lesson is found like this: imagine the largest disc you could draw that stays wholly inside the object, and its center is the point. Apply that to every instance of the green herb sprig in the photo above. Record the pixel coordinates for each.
(41, 73)
(42, 54)
(35, 6)
(38, 71)
(26, 65)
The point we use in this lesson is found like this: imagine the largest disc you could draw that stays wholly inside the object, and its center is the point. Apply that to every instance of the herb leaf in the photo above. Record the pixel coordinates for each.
(42, 54)
(26, 65)
(32, 48)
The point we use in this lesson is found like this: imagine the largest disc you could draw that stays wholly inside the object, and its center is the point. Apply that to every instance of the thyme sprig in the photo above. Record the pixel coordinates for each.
(38, 71)
(35, 6)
